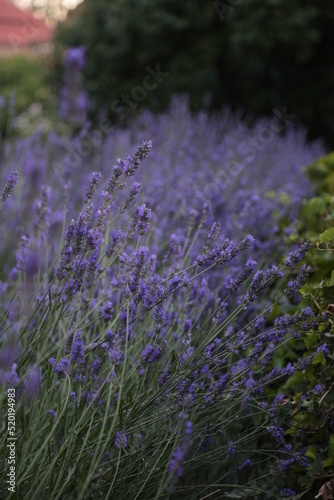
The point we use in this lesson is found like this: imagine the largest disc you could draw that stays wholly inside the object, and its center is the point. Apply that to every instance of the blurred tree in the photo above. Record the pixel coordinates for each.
(248, 53)
(281, 52)
(124, 37)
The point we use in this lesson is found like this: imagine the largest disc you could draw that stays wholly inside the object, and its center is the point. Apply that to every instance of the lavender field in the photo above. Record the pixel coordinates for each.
(149, 277)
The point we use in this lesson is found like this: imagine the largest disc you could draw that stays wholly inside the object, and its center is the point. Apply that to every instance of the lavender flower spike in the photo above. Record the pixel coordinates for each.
(297, 255)
(121, 441)
(96, 176)
(10, 184)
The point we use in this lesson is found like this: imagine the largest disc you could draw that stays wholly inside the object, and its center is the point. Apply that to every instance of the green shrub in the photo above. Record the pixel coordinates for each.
(23, 81)
(316, 224)
(27, 78)
(309, 394)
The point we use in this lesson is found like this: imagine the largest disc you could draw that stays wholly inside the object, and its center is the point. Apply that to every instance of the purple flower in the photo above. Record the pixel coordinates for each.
(144, 215)
(277, 433)
(188, 428)
(231, 449)
(318, 389)
(10, 377)
(74, 102)
(32, 383)
(75, 56)
(287, 492)
(115, 235)
(247, 463)
(205, 442)
(297, 255)
(135, 189)
(187, 325)
(175, 465)
(151, 354)
(8, 356)
(121, 440)
(108, 311)
(324, 349)
(78, 349)
(294, 285)
(96, 176)
(32, 261)
(214, 231)
(234, 284)
(245, 401)
(62, 367)
(12, 180)
(42, 211)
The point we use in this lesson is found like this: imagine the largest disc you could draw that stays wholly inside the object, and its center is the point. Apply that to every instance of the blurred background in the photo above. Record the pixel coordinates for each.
(250, 55)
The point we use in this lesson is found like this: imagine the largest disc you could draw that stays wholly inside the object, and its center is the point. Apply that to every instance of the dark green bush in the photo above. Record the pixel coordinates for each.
(317, 225)
(247, 53)
(309, 394)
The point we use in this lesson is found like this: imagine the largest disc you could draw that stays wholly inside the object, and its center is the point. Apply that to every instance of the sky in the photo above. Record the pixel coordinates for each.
(53, 9)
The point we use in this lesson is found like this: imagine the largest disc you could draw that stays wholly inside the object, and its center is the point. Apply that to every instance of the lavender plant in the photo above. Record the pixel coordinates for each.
(73, 100)
(142, 354)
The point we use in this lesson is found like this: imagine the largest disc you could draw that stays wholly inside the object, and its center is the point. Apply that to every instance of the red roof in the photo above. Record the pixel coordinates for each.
(21, 27)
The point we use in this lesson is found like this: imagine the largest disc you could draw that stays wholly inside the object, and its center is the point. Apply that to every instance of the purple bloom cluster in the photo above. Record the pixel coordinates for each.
(107, 312)
(234, 284)
(142, 218)
(121, 440)
(156, 312)
(75, 56)
(151, 354)
(247, 463)
(32, 384)
(287, 492)
(297, 255)
(96, 176)
(295, 284)
(73, 101)
(231, 449)
(9, 377)
(78, 349)
(52, 413)
(11, 182)
(177, 460)
(61, 367)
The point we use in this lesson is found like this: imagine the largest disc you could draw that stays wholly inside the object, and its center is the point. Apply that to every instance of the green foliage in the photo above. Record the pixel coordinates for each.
(247, 53)
(314, 407)
(322, 171)
(25, 80)
(317, 225)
